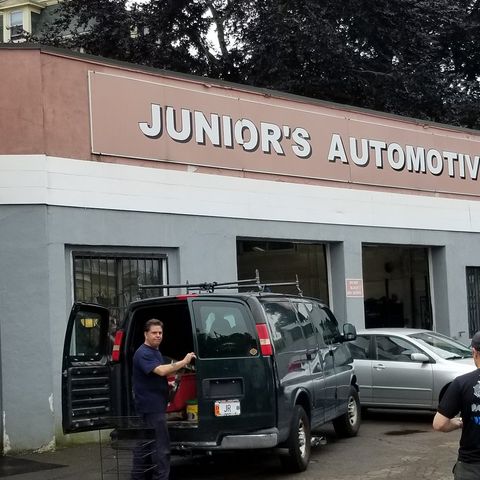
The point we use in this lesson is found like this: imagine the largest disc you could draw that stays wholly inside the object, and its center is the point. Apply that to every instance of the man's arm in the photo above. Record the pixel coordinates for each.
(168, 369)
(441, 423)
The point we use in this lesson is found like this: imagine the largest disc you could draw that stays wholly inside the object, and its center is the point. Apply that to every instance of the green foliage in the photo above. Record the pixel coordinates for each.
(417, 58)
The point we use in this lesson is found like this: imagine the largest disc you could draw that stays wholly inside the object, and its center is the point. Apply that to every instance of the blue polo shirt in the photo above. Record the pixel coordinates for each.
(149, 389)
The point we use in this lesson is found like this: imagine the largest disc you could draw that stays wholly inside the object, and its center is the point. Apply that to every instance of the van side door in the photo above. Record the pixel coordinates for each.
(291, 362)
(326, 353)
(341, 360)
(86, 392)
(307, 310)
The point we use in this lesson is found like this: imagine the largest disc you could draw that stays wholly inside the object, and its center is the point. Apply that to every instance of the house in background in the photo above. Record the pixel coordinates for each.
(18, 17)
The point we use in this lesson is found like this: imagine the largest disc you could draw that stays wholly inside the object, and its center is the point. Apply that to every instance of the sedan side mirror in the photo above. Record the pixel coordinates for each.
(349, 332)
(419, 357)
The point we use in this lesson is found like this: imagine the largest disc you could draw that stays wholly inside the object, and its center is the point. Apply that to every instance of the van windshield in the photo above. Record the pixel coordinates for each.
(224, 329)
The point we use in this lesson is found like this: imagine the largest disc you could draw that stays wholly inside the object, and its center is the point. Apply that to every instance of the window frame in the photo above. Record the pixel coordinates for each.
(16, 36)
(117, 307)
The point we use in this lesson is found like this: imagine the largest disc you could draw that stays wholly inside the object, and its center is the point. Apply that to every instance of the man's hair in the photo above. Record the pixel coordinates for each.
(153, 322)
(476, 342)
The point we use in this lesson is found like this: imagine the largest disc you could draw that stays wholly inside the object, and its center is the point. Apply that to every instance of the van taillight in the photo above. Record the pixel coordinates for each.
(265, 344)
(117, 343)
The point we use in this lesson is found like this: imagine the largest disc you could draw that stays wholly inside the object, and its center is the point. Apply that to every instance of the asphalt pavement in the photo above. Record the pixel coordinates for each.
(390, 445)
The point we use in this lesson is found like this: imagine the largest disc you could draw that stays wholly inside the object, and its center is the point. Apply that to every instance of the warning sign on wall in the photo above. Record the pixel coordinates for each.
(354, 287)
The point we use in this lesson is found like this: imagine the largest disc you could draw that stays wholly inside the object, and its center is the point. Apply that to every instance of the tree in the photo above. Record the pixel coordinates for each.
(396, 56)
(167, 34)
(417, 58)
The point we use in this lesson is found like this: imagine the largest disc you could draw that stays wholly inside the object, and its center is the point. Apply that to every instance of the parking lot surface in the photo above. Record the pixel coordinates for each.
(390, 445)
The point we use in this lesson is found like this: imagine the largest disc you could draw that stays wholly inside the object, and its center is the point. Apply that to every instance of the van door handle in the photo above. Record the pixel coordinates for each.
(379, 366)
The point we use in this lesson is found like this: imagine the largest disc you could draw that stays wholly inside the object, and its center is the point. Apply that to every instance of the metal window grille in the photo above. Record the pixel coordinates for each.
(113, 281)
(473, 299)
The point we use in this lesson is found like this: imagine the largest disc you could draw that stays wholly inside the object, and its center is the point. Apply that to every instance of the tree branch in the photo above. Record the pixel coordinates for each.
(218, 19)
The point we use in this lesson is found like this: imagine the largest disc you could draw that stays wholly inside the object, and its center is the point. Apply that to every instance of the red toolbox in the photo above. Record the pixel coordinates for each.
(187, 390)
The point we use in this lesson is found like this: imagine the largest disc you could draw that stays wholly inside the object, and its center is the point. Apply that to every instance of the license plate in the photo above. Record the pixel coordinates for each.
(227, 408)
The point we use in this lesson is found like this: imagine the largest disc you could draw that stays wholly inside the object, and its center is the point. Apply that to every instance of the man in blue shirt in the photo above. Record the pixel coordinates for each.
(150, 389)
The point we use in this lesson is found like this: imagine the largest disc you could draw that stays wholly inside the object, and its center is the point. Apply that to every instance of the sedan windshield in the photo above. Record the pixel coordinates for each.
(443, 346)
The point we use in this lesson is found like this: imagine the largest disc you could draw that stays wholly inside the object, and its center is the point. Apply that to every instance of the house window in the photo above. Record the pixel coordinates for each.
(1, 29)
(113, 280)
(473, 299)
(16, 25)
(35, 19)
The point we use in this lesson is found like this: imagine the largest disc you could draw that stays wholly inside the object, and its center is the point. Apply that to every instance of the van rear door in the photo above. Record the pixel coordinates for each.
(86, 399)
(235, 379)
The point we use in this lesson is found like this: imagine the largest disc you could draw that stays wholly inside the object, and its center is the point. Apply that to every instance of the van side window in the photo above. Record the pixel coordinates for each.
(316, 315)
(287, 329)
(325, 324)
(224, 329)
(305, 312)
(331, 333)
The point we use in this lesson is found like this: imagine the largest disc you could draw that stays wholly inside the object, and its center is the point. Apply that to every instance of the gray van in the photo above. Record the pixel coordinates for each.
(270, 368)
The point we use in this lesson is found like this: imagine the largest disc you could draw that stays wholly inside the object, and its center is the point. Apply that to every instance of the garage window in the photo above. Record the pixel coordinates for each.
(113, 280)
(281, 261)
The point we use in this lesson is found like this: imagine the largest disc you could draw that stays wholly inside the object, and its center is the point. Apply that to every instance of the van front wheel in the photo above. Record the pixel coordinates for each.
(298, 443)
(348, 424)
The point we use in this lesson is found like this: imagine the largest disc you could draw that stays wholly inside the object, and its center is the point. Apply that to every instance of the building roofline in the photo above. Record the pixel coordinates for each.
(228, 85)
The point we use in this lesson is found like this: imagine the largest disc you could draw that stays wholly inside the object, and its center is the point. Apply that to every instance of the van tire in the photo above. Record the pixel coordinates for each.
(298, 442)
(348, 424)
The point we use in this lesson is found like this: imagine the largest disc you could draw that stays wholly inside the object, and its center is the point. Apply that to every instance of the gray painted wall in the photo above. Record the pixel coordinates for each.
(26, 349)
(36, 285)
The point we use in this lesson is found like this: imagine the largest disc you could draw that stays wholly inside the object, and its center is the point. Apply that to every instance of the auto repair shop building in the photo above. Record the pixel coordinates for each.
(113, 175)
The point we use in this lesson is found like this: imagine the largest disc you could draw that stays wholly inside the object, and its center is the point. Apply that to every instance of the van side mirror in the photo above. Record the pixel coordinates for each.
(349, 332)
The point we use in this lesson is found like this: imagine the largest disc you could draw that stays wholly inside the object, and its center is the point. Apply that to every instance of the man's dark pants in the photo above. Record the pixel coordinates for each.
(466, 471)
(151, 460)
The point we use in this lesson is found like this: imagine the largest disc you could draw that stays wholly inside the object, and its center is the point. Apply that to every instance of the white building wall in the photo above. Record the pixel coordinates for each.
(39, 179)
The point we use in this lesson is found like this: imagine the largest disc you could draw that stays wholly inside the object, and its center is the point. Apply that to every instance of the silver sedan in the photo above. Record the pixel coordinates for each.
(406, 368)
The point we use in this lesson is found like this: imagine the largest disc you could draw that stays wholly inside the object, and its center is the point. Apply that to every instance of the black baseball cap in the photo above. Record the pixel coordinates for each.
(476, 341)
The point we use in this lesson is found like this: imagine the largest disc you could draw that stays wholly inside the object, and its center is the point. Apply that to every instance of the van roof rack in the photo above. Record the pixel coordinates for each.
(210, 287)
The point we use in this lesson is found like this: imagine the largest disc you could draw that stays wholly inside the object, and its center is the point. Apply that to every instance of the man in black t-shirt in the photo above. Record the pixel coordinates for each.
(150, 389)
(463, 396)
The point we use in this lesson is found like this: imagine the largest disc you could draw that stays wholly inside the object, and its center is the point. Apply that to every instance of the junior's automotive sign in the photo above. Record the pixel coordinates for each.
(197, 123)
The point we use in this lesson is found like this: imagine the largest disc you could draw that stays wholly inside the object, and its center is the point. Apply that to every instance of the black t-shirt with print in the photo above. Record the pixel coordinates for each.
(463, 396)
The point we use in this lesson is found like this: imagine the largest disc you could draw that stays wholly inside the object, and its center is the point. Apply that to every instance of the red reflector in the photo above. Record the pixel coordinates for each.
(117, 343)
(265, 344)
(188, 295)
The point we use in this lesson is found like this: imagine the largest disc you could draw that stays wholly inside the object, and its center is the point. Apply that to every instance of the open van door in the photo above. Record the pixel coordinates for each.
(86, 399)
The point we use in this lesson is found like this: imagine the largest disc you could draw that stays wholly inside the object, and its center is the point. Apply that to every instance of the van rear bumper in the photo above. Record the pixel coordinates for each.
(263, 439)
(260, 439)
